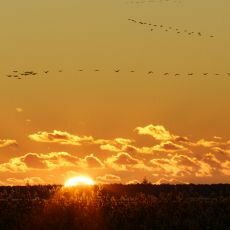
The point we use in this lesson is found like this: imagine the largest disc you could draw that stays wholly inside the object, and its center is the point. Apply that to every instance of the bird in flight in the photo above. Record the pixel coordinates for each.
(117, 70)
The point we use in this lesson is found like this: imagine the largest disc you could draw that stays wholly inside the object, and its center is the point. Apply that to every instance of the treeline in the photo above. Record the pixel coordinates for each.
(141, 206)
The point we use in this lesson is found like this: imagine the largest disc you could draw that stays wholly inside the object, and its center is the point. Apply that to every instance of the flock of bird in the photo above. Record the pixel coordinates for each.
(165, 28)
(27, 74)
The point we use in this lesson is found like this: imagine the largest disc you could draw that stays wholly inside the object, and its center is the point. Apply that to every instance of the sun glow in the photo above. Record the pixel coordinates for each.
(79, 181)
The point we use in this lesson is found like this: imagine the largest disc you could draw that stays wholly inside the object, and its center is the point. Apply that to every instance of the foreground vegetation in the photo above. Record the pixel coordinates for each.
(142, 206)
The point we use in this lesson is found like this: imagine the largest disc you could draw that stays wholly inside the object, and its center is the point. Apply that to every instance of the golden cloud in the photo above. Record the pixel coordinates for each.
(124, 162)
(158, 132)
(7, 142)
(173, 157)
(181, 165)
(49, 161)
(170, 181)
(108, 178)
(92, 161)
(60, 137)
(26, 181)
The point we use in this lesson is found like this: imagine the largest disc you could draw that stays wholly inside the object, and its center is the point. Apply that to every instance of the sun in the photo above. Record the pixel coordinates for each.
(79, 181)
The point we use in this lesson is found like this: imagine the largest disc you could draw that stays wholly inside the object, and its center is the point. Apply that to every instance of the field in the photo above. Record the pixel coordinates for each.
(141, 206)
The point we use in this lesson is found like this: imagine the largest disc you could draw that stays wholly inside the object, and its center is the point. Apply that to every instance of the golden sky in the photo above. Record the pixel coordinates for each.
(115, 126)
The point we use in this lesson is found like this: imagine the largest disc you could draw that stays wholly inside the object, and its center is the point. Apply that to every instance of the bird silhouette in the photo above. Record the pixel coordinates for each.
(117, 71)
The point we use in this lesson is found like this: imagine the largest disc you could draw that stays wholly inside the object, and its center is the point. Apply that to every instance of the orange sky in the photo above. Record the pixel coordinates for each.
(103, 106)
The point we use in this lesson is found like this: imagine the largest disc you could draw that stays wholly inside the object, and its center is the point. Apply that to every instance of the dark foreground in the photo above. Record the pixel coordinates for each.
(142, 206)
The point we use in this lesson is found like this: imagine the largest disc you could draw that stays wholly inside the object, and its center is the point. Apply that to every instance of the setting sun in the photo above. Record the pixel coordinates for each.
(79, 180)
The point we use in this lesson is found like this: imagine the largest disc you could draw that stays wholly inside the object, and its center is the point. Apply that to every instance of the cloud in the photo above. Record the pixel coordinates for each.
(36, 161)
(169, 181)
(7, 142)
(123, 159)
(170, 156)
(124, 162)
(117, 145)
(225, 168)
(14, 165)
(108, 178)
(19, 110)
(60, 137)
(181, 165)
(92, 162)
(26, 181)
(65, 138)
(158, 132)
(133, 182)
(50, 161)
(167, 147)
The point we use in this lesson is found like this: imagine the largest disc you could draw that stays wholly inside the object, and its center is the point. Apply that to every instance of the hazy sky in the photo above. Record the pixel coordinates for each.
(183, 120)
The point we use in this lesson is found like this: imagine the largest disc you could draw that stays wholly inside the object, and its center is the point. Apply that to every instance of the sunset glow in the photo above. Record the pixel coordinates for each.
(79, 181)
